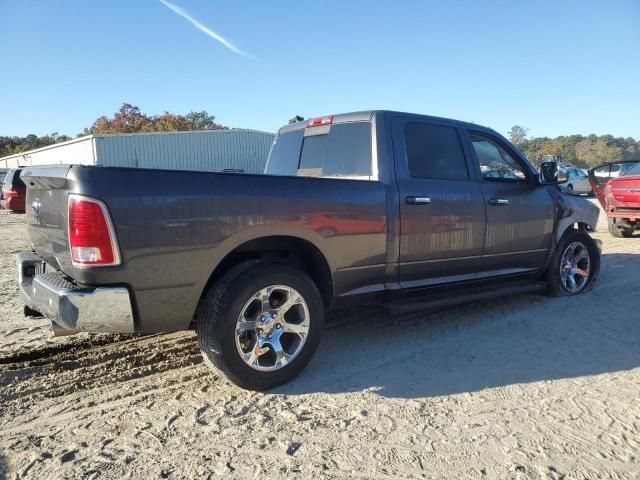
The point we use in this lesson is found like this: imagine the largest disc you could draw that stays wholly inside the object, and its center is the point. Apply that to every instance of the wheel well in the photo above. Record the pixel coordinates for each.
(577, 226)
(292, 251)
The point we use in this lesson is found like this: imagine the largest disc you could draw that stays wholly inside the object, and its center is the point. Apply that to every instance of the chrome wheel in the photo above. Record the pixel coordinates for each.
(272, 328)
(575, 267)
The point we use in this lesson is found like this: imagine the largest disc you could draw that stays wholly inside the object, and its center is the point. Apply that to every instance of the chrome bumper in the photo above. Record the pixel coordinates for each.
(70, 307)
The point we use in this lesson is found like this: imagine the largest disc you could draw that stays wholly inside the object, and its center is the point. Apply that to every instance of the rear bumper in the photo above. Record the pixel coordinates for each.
(70, 307)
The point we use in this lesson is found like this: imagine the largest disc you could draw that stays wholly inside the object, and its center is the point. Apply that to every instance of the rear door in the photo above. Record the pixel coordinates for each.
(442, 213)
(520, 213)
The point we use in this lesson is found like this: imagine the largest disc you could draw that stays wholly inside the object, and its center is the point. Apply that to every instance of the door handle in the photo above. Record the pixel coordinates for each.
(498, 201)
(417, 200)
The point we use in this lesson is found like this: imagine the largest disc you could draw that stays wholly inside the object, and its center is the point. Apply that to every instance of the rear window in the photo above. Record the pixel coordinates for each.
(344, 151)
(314, 151)
(435, 151)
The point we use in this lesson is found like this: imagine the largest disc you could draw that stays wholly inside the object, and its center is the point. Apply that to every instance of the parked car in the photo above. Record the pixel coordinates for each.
(577, 181)
(352, 209)
(3, 172)
(619, 196)
(14, 192)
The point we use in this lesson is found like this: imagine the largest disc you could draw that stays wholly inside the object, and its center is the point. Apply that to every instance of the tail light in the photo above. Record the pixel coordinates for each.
(318, 122)
(92, 239)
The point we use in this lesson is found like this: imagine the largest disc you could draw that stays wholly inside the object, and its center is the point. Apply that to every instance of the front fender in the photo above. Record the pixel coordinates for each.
(571, 210)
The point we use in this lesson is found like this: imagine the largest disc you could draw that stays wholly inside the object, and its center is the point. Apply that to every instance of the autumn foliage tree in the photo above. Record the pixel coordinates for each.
(129, 119)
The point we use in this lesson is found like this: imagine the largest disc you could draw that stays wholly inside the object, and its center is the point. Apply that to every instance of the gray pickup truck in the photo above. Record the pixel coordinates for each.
(352, 209)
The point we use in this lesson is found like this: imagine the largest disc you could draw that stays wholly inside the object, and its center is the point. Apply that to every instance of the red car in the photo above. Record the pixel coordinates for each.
(617, 186)
(14, 192)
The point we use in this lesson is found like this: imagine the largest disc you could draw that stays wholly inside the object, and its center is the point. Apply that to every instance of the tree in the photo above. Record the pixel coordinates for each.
(517, 134)
(12, 145)
(129, 119)
(202, 121)
(553, 147)
(595, 152)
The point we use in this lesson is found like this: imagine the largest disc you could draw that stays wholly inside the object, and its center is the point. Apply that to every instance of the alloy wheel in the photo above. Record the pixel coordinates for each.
(272, 328)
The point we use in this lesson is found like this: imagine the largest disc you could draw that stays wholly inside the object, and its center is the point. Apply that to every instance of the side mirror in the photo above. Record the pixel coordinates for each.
(550, 174)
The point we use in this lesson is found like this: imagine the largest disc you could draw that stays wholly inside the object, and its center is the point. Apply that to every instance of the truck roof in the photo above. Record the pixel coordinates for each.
(367, 115)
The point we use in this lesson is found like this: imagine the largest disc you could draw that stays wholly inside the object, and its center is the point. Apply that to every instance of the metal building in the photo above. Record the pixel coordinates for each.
(205, 150)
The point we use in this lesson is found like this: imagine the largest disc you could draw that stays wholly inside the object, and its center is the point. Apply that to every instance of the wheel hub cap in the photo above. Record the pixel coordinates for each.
(272, 328)
(267, 323)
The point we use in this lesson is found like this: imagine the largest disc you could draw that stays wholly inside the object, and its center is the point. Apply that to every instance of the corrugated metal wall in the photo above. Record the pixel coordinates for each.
(207, 151)
(78, 151)
(201, 151)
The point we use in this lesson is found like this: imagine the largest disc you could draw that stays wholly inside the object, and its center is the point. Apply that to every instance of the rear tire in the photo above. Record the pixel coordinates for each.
(619, 228)
(224, 308)
(569, 260)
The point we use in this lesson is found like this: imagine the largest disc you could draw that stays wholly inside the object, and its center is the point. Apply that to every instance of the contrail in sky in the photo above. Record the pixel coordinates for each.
(203, 28)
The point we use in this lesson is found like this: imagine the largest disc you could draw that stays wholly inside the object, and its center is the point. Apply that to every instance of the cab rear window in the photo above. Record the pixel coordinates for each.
(343, 151)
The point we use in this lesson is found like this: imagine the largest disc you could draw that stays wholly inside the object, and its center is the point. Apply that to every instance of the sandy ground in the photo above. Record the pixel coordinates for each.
(529, 387)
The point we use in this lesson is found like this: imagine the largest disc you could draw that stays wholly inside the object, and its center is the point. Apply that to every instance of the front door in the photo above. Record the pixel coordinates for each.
(442, 211)
(520, 213)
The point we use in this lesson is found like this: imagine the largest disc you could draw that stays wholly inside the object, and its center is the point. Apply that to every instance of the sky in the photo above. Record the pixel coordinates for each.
(555, 67)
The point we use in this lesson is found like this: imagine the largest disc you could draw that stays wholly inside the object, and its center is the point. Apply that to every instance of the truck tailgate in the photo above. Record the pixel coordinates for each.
(46, 210)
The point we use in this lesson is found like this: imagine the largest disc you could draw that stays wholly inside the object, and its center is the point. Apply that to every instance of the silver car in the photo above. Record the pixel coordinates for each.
(578, 181)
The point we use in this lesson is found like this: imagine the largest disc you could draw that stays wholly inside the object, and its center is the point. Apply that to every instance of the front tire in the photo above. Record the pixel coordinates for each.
(260, 324)
(574, 265)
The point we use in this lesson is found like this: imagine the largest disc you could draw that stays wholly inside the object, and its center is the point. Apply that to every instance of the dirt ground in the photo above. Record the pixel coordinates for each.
(529, 387)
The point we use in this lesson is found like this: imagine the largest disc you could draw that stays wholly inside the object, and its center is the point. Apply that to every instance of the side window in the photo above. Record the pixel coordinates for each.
(495, 162)
(435, 151)
(634, 169)
(285, 153)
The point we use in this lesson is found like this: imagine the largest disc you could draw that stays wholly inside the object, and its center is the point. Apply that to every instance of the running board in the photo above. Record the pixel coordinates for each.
(442, 300)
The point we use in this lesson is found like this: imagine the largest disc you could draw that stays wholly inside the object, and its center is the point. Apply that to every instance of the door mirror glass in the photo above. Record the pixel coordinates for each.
(550, 173)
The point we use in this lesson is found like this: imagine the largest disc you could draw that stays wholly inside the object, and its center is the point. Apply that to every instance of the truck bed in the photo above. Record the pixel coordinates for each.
(174, 227)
